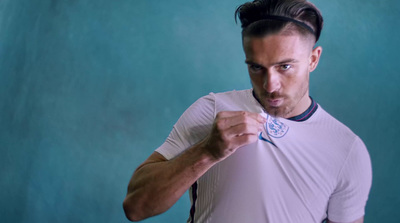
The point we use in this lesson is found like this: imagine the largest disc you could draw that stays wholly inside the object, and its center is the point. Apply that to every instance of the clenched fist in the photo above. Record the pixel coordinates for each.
(231, 130)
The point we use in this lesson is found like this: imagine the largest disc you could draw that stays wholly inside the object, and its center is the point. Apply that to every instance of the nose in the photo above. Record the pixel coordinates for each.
(272, 82)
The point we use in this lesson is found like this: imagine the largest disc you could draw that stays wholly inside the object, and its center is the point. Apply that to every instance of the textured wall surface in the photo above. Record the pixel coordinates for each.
(88, 89)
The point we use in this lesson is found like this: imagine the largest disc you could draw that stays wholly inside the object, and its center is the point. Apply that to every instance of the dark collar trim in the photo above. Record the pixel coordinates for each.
(307, 114)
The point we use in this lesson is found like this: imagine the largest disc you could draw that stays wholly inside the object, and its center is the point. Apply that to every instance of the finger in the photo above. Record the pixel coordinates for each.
(246, 120)
(245, 139)
(229, 114)
(240, 118)
(231, 127)
(243, 129)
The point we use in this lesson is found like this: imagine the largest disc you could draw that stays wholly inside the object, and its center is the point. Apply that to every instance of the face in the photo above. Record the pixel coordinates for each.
(279, 68)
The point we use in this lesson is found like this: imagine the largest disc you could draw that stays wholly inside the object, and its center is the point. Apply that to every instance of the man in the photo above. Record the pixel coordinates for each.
(267, 154)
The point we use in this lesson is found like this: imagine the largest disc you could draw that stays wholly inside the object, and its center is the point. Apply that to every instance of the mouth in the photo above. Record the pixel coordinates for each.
(270, 100)
(275, 102)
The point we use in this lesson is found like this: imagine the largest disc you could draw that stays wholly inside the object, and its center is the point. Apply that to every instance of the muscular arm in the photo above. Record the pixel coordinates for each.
(158, 183)
(360, 220)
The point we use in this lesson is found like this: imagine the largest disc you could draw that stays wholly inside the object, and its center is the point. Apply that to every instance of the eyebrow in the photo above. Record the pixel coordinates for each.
(285, 61)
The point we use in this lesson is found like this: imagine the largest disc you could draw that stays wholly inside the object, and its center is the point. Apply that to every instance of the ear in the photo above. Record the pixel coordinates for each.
(314, 58)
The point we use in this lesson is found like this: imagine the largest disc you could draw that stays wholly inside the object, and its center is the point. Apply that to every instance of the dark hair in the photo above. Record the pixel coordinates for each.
(256, 17)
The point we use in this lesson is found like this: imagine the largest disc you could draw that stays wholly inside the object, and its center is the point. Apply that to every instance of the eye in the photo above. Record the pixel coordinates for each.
(255, 67)
(285, 67)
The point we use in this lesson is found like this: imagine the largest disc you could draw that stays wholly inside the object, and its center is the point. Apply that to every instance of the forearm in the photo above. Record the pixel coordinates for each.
(156, 186)
(158, 183)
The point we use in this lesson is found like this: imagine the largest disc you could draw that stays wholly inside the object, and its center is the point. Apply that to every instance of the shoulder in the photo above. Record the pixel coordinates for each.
(233, 95)
(241, 100)
(356, 162)
(332, 126)
(214, 102)
(335, 138)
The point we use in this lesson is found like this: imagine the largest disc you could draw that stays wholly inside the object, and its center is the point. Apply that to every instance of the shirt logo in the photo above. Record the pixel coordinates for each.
(276, 128)
(273, 128)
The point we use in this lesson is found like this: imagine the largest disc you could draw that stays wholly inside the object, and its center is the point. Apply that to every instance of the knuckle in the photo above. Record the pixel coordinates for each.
(242, 118)
(219, 114)
(243, 115)
(246, 119)
(219, 124)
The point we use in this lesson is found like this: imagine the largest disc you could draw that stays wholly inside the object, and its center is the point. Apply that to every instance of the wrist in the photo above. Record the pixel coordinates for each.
(208, 151)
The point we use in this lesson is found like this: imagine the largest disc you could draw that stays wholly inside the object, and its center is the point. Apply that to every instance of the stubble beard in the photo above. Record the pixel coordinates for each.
(282, 111)
(288, 106)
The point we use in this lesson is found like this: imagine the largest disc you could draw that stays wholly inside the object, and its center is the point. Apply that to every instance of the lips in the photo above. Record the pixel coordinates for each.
(276, 102)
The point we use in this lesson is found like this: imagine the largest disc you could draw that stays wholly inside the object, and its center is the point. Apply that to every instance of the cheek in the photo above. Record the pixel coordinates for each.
(300, 85)
(303, 75)
(296, 82)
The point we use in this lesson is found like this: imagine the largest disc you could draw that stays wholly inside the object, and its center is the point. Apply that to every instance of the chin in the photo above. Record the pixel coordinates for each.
(282, 112)
(275, 112)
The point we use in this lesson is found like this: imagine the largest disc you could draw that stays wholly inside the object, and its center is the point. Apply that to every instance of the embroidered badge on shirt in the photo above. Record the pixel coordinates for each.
(273, 128)
(276, 128)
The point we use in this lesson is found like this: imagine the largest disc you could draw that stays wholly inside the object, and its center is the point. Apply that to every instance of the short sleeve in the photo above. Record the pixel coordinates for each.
(194, 124)
(347, 203)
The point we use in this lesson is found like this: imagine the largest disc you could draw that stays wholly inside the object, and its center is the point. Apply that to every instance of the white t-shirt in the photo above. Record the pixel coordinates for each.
(301, 170)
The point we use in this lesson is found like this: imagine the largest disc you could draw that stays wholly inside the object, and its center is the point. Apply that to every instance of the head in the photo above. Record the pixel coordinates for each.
(278, 40)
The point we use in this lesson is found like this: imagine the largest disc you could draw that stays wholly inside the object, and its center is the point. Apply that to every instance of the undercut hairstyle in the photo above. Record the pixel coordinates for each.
(262, 17)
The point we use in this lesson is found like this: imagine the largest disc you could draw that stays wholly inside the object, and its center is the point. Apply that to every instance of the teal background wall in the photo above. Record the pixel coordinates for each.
(88, 89)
